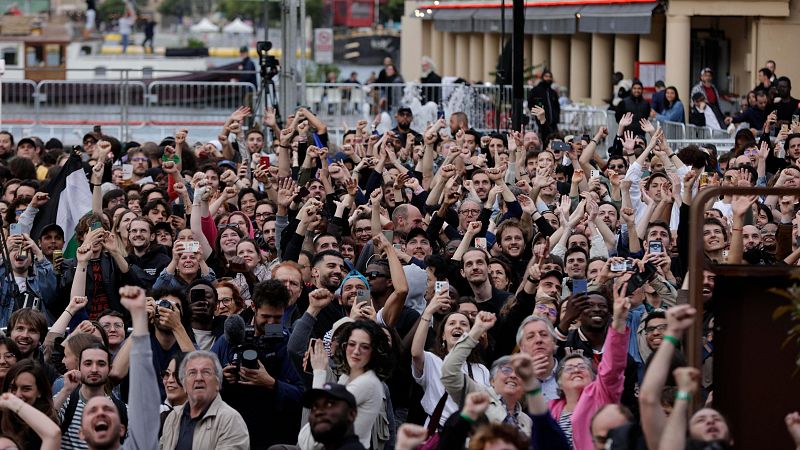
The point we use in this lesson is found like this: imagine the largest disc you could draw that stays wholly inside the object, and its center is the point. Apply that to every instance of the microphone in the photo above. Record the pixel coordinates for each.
(235, 330)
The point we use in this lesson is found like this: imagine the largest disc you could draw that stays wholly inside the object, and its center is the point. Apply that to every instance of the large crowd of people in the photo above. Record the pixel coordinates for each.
(434, 288)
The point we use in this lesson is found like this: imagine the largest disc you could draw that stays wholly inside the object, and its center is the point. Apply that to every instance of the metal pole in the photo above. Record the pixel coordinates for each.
(500, 72)
(288, 84)
(2, 72)
(516, 64)
(303, 47)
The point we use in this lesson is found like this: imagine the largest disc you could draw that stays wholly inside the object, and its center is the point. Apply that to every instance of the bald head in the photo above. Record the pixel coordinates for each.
(405, 217)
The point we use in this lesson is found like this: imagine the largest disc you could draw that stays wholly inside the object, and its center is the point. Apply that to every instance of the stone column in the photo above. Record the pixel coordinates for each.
(559, 57)
(651, 46)
(580, 65)
(625, 54)
(491, 50)
(678, 49)
(449, 54)
(476, 57)
(602, 67)
(541, 50)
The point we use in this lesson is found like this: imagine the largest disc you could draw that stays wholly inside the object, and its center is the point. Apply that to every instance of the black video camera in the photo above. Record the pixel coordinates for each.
(269, 64)
(266, 346)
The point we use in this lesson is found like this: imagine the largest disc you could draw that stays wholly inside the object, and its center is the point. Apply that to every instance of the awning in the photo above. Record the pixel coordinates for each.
(551, 19)
(541, 18)
(456, 20)
(487, 20)
(632, 18)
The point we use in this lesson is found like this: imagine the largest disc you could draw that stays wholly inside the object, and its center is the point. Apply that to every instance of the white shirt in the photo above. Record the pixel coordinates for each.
(431, 381)
(125, 25)
(22, 282)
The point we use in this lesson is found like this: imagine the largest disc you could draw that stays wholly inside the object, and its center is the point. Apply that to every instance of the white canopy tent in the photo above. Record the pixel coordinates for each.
(237, 27)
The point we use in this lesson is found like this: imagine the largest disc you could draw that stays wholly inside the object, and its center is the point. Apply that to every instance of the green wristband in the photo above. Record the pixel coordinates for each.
(683, 395)
(672, 339)
(466, 417)
(533, 392)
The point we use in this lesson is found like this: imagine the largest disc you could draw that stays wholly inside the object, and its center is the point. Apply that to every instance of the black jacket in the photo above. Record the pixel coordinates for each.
(151, 264)
(543, 94)
(640, 109)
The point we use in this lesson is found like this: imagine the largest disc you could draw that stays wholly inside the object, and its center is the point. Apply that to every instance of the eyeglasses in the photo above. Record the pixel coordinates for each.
(549, 310)
(653, 329)
(576, 368)
(767, 233)
(262, 215)
(194, 373)
(375, 274)
(615, 167)
(139, 159)
(9, 355)
(227, 225)
(470, 212)
(506, 370)
(362, 230)
(227, 301)
(116, 326)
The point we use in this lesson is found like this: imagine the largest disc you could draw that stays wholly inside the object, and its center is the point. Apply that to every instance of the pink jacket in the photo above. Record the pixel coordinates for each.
(605, 389)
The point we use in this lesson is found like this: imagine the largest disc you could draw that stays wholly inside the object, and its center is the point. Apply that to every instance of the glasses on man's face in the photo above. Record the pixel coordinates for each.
(655, 328)
(374, 275)
(139, 159)
(470, 212)
(116, 326)
(616, 167)
(262, 215)
(576, 368)
(194, 373)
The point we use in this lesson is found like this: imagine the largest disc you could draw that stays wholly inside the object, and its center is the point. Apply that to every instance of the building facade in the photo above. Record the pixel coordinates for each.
(584, 42)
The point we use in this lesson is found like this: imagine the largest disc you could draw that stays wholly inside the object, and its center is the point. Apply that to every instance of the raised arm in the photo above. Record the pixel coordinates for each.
(653, 418)
(397, 299)
(439, 302)
(43, 426)
(674, 436)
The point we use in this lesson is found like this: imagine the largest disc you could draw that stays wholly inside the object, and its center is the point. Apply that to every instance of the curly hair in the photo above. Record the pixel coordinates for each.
(380, 361)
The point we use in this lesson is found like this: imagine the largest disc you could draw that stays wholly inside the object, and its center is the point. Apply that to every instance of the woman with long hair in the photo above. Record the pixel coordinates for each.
(120, 227)
(27, 381)
(426, 365)
(362, 359)
(673, 108)
(176, 394)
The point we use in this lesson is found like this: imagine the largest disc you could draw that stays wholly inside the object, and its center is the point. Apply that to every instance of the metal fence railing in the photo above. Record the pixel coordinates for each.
(165, 104)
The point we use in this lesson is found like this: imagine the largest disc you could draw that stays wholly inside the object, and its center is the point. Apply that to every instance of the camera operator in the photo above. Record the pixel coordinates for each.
(268, 394)
(170, 318)
(39, 282)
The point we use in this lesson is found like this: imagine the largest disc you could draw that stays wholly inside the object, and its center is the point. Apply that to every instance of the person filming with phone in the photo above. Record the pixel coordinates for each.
(257, 370)
(33, 273)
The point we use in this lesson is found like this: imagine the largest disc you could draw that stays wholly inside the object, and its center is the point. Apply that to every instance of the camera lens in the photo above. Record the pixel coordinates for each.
(250, 359)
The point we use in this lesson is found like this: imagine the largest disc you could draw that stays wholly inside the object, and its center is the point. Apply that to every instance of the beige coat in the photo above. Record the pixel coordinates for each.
(221, 428)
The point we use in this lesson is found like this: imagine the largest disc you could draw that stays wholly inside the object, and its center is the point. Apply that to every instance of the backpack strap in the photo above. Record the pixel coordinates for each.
(433, 424)
(69, 413)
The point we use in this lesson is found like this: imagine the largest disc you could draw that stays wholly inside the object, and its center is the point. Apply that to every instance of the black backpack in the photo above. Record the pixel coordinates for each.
(72, 406)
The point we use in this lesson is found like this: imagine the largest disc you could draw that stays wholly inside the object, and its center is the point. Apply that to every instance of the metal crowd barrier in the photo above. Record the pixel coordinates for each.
(204, 105)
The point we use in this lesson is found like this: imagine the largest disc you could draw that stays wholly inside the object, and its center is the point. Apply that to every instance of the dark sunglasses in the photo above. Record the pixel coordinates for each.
(374, 274)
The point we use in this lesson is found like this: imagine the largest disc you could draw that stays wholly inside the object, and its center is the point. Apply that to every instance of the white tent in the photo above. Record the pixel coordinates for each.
(238, 27)
(204, 26)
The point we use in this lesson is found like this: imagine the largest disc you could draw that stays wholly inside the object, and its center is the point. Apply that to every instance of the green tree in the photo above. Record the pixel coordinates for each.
(175, 8)
(245, 9)
(392, 10)
(110, 9)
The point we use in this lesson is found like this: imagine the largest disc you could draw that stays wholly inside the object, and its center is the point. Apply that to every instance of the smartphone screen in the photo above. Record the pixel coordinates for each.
(97, 225)
(579, 286)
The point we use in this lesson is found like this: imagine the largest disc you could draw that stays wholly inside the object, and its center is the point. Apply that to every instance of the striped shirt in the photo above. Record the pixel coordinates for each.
(565, 422)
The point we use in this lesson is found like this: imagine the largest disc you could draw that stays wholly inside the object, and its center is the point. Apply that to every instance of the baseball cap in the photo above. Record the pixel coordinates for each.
(52, 227)
(28, 141)
(552, 273)
(228, 163)
(332, 390)
(416, 231)
(706, 69)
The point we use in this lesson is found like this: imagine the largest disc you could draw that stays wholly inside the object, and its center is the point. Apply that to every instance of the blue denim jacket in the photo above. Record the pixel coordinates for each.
(41, 280)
